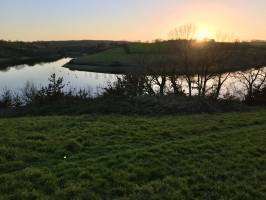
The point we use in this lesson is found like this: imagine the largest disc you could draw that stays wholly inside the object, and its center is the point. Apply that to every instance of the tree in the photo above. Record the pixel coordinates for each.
(219, 81)
(185, 34)
(176, 81)
(53, 91)
(253, 80)
(222, 56)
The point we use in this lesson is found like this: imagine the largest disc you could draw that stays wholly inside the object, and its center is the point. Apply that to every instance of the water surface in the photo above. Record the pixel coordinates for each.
(15, 78)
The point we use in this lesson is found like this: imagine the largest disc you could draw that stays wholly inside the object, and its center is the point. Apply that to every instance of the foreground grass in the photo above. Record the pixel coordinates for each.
(116, 157)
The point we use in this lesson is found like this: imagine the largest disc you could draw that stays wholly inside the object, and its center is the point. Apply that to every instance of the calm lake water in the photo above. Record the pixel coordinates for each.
(16, 77)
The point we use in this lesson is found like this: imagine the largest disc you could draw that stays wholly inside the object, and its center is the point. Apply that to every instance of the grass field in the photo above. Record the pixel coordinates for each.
(114, 60)
(117, 60)
(135, 56)
(115, 56)
(116, 157)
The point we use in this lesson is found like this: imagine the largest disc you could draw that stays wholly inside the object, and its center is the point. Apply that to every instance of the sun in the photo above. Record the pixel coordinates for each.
(202, 35)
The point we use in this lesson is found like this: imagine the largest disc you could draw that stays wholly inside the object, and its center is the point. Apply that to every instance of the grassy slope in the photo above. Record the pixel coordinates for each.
(106, 58)
(117, 157)
(119, 55)
(110, 61)
(117, 60)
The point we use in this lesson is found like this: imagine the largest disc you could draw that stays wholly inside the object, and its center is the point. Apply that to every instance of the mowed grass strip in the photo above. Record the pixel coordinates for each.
(116, 157)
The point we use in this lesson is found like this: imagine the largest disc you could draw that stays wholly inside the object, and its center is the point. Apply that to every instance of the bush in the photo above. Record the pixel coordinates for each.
(258, 97)
(6, 99)
(53, 91)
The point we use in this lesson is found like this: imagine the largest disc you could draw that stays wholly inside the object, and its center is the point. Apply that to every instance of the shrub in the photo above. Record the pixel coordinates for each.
(6, 99)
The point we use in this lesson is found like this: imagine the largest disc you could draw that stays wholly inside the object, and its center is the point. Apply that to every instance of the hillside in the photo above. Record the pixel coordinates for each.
(15, 53)
(138, 56)
(116, 157)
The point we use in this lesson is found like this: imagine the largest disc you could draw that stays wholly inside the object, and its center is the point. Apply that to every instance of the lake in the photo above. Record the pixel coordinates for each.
(16, 77)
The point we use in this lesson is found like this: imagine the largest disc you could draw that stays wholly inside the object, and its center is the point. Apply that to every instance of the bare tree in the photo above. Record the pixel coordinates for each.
(185, 34)
(253, 80)
(205, 61)
(225, 37)
(157, 73)
(219, 81)
(176, 81)
(222, 54)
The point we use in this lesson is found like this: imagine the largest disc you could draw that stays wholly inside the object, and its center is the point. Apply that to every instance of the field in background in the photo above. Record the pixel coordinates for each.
(136, 56)
(117, 157)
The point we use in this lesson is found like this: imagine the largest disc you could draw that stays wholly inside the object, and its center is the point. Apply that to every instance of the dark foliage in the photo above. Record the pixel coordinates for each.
(258, 97)
(129, 95)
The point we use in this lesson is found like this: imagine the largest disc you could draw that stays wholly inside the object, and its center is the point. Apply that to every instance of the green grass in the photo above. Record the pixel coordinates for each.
(129, 58)
(119, 57)
(116, 157)
(112, 56)
(116, 60)
(148, 48)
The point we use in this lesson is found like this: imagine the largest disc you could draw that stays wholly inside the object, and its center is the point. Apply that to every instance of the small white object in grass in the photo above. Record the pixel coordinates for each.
(65, 157)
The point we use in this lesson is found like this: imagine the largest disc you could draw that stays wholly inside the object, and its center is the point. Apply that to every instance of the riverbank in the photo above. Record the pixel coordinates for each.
(15, 53)
(10, 62)
(101, 69)
(113, 157)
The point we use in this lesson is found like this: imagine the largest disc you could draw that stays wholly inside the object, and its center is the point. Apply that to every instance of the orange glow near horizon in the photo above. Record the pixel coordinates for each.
(129, 20)
(203, 35)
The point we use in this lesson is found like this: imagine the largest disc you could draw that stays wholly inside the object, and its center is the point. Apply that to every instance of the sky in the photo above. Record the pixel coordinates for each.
(132, 20)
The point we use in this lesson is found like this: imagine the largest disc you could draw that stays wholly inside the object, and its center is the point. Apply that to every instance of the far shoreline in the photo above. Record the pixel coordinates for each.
(100, 69)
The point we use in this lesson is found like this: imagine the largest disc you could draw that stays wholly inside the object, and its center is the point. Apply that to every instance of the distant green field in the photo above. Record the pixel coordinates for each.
(116, 157)
(136, 56)
(117, 60)
(115, 56)
(148, 47)
(120, 57)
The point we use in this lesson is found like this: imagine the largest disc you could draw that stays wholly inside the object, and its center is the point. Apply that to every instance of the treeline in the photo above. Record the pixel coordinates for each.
(184, 54)
(251, 90)
(136, 94)
(188, 56)
(204, 66)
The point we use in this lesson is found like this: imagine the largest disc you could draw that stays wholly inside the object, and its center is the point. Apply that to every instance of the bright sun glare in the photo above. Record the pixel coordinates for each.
(203, 35)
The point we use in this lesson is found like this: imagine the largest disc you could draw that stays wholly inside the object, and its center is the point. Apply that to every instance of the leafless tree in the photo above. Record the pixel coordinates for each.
(222, 54)
(219, 81)
(222, 37)
(205, 61)
(157, 74)
(176, 81)
(185, 34)
(253, 80)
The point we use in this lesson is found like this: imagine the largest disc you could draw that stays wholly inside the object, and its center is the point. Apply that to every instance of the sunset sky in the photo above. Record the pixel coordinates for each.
(128, 19)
